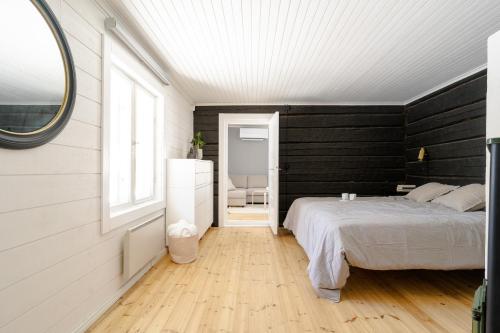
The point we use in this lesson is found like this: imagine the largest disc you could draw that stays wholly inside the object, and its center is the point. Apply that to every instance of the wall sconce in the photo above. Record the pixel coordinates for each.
(422, 155)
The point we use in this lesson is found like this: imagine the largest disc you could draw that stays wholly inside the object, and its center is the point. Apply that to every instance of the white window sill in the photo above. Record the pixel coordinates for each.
(130, 214)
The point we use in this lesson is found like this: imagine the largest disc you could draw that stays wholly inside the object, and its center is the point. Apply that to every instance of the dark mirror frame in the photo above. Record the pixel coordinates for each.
(54, 127)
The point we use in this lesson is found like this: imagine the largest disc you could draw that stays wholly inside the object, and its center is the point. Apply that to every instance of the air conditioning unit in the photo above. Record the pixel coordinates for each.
(253, 134)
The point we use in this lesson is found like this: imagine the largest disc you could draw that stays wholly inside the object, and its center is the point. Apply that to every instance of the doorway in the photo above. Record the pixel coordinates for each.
(248, 170)
(247, 192)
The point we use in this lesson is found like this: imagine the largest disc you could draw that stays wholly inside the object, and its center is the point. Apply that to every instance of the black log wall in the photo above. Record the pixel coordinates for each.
(325, 150)
(451, 125)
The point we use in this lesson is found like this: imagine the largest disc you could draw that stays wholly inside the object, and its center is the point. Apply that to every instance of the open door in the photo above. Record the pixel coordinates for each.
(273, 177)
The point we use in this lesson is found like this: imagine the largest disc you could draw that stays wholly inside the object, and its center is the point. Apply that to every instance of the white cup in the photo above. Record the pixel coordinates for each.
(345, 196)
(352, 196)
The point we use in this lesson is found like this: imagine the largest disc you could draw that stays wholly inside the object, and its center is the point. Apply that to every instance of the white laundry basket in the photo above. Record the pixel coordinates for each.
(183, 250)
(182, 242)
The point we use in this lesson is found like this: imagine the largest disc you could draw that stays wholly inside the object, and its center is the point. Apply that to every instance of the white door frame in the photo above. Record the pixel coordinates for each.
(225, 120)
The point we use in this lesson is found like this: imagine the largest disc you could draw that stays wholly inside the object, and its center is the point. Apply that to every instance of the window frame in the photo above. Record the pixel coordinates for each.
(114, 217)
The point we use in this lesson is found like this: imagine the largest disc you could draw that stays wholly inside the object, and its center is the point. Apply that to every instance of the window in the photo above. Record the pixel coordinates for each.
(132, 142)
(132, 146)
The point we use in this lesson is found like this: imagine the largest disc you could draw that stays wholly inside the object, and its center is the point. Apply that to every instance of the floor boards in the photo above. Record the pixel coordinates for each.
(247, 280)
(250, 212)
(247, 217)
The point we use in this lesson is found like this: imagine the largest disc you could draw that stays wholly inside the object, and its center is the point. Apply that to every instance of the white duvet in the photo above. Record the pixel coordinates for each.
(382, 233)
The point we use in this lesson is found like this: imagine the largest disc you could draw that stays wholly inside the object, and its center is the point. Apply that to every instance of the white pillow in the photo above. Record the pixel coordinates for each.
(230, 185)
(429, 191)
(467, 198)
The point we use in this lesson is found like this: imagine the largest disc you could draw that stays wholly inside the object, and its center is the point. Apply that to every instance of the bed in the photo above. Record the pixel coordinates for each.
(382, 233)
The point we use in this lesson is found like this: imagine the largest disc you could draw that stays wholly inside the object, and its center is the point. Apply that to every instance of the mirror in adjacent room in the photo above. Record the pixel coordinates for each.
(37, 80)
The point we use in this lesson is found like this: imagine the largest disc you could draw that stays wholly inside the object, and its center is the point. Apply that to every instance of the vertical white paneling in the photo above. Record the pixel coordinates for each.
(493, 99)
(324, 52)
(492, 115)
(59, 271)
(179, 124)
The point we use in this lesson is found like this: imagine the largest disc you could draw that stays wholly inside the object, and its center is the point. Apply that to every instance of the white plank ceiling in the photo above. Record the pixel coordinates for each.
(314, 51)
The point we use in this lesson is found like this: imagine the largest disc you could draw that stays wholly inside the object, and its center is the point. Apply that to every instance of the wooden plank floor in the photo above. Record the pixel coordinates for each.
(247, 280)
(247, 216)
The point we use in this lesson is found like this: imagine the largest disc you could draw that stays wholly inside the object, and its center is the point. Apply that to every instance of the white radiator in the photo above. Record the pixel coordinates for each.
(143, 243)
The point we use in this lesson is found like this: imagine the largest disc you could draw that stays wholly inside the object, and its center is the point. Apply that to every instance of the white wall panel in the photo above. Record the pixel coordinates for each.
(28, 225)
(79, 134)
(50, 159)
(27, 191)
(41, 318)
(493, 98)
(59, 271)
(86, 59)
(75, 25)
(49, 251)
(57, 277)
(87, 111)
(88, 86)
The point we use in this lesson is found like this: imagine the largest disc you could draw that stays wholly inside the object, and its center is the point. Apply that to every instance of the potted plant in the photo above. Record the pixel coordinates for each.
(198, 144)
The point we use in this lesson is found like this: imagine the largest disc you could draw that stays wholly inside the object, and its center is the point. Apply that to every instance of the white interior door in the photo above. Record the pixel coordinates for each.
(273, 177)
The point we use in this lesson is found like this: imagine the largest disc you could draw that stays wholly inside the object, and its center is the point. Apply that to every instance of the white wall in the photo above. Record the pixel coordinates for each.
(493, 97)
(246, 157)
(492, 113)
(57, 270)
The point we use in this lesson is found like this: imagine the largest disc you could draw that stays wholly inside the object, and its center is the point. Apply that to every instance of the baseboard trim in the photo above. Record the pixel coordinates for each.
(112, 300)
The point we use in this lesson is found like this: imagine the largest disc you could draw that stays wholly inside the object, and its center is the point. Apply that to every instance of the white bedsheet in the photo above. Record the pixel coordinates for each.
(382, 233)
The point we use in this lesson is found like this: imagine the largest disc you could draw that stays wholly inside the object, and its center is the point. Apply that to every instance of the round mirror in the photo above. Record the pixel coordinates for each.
(37, 77)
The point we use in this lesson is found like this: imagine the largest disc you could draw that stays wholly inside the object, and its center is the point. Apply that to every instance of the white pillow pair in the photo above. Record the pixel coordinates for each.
(429, 191)
(467, 198)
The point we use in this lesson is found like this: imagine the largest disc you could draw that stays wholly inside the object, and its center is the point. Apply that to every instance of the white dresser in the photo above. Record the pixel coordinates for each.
(190, 192)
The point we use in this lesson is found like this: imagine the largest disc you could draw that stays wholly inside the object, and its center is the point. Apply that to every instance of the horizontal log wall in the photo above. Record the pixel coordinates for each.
(325, 150)
(451, 125)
